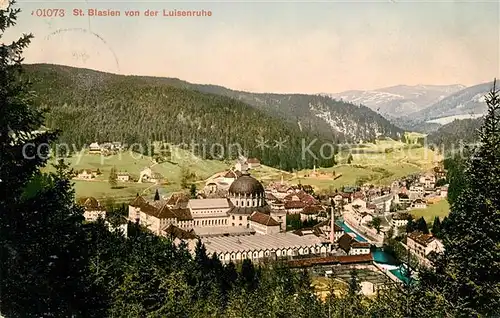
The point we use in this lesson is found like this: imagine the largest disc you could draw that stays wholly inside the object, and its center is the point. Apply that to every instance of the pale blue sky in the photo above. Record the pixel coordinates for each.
(279, 46)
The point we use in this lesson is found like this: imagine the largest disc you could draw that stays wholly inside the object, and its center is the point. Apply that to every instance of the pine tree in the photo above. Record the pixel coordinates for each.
(349, 159)
(467, 276)
(43, 249)
(422, 226)
(436, 227)
(157, 196)
(193, 191)
(113, 178)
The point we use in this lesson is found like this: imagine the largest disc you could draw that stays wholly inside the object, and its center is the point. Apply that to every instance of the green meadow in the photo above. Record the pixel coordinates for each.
(378, 163)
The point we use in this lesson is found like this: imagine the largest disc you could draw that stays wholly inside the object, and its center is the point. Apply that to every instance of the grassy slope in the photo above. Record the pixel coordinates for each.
(375, 164)
(441, 209)
(133, 163)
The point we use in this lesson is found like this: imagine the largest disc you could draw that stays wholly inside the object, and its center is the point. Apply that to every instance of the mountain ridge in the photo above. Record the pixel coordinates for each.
(341, 121)
(398, 100)
(469, 100)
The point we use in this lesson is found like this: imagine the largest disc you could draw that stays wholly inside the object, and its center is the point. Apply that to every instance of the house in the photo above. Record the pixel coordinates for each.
(280, 216)
(310, 212)
(241, 165)
(325, 229)
(94, 148)
(253, 163)
(422, 245)
(352, 247)
(341, 198)
(93, 209)
(416, 191)
(400, 219)
(86, 174)
(264, 223)
(439, 172)
(147, 175)
(123, 176)
(230, 176)
(296, 202)
(428, 180)
(383, 202)
(402, 198)
(359, 203)
(443, 191)
(419, 204)
(359, 214)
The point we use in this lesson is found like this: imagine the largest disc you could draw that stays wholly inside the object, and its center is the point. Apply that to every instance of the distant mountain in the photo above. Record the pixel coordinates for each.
(401, 100)
(466, 102)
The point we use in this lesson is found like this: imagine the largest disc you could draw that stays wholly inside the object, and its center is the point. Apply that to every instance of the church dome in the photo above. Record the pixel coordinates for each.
(246, 185)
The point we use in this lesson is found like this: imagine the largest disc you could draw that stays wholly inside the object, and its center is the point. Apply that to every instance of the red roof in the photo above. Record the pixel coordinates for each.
(264, 219)
(294, 205)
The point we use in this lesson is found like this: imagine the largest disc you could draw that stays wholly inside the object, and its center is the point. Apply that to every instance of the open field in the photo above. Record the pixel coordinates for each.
(133, 163)
(440, 208)
(379, 163)
(411, 137)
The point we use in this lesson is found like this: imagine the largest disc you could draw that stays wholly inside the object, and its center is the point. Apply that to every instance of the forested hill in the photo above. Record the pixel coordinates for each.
(341, 120)
(456, 133)
(93, 106)
(346, 121)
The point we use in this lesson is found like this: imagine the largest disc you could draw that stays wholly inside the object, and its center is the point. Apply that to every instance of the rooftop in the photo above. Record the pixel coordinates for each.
(421, 238)
(258, 242)
(208, 204)
(264, 219)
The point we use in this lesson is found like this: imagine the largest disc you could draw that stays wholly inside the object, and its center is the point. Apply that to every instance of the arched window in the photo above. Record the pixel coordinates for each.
(240, 217)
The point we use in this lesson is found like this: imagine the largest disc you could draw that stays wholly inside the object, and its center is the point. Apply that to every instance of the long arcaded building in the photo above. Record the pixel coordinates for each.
(260, 247)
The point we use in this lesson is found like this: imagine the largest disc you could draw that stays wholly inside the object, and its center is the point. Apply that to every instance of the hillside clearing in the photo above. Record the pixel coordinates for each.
(440, 209)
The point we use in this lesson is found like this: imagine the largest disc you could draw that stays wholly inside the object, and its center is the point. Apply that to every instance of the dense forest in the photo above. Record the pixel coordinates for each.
(346, 121)
(157, 98)
(456, 134)
(90, 106)
(52, 264)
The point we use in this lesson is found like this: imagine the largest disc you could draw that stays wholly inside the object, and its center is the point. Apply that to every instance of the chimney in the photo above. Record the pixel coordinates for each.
(332, 226)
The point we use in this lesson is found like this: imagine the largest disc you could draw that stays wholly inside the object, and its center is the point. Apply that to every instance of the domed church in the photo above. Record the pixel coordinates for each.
(247, 195)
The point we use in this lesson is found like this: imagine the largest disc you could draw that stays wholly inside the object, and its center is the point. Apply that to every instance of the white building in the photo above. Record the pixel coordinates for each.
(210, 217)
(352, 247)
(419, 204)
(86, 174)
(261, 247)
(264, 223)
(428, 180)
(422, 245)
(95, 148)
(123, 177)
(443, 191)
(93, 209)
(399, 219)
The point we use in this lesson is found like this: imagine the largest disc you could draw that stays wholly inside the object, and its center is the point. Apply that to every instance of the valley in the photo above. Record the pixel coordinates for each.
(377, 163)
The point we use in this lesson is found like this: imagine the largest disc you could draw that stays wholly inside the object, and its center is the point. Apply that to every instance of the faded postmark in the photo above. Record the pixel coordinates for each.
(84, 45)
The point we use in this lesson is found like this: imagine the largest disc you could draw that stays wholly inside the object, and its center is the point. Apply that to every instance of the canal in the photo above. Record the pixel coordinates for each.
(382, 258)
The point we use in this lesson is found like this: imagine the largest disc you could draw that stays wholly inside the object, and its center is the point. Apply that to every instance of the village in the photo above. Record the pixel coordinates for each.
(237, 217)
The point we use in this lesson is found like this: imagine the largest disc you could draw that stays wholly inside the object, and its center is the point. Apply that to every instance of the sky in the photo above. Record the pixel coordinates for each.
(281, 47)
